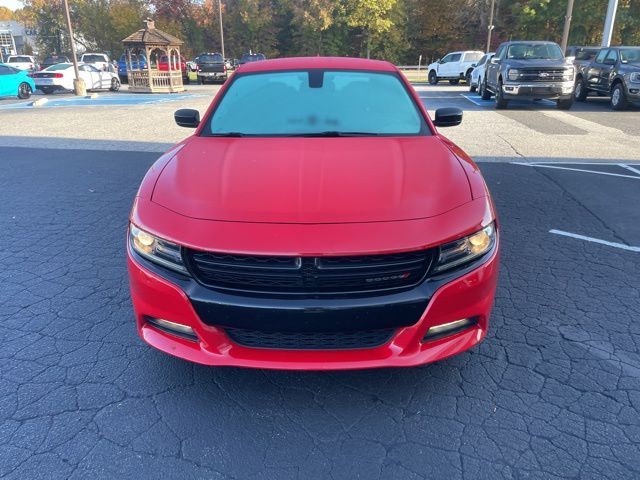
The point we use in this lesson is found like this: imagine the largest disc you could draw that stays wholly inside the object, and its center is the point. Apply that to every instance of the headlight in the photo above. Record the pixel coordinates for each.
(466, 249)
(635, 77)
(156, 249)
(513, 74)
(568, 74)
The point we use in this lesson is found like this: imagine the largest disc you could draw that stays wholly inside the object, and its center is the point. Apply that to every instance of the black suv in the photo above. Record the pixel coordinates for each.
(615, 72)
(529, 70)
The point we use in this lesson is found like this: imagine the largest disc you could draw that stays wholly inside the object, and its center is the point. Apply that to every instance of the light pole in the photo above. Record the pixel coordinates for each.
(490, 26)
(608, 23)
(567, 25)
(221, 31)
(78, 83)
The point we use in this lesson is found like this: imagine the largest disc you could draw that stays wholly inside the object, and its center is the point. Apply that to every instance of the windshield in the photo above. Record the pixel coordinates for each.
(93, 58)
(316, 103)
(58, 66)
(630, 55)
(526, 51)
(19, 60)
(55, 59)
(217, 58)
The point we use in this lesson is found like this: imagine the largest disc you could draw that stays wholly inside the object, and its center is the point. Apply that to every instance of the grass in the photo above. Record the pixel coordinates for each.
(416, 76)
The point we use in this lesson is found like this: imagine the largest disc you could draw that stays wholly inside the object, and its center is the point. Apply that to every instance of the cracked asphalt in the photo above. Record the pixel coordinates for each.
(553, 392)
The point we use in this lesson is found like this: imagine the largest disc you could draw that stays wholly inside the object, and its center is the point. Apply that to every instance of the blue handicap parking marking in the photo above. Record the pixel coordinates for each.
(105, 100)
(477, 100)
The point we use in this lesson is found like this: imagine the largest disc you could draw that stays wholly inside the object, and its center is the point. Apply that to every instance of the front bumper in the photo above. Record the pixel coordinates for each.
(552, 90)
(633, 91)
(438, 300)
(212, 74)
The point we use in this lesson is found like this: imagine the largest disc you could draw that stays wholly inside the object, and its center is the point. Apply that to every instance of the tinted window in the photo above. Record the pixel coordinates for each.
(59, 66)
(19, 59)
(601, 55)
(500, 53)
(217, 58)
(93, 58)
(525, 51)
(446, 59)
(483, 60)
(6, 70)
(455, 57)
(630, 55)
(312, 102)
(586, 54)
(612, 57)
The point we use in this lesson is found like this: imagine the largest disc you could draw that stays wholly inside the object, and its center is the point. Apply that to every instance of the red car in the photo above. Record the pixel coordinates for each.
(316, 220)
(163, 65)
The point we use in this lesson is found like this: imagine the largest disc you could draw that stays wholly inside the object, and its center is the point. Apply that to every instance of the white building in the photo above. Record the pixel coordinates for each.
(14, 36)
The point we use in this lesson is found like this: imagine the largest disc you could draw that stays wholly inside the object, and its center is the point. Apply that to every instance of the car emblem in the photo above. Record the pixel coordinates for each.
(543, 74)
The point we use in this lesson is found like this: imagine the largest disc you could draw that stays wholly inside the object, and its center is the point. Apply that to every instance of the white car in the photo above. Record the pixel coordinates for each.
(99, 60)
(61, 75)
(478, 73)
(22, 62)
(454, 66)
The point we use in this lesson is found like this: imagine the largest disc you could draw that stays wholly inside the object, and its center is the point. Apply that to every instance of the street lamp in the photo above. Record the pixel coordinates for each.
(221, 32)
(78, 83)
(490, 27)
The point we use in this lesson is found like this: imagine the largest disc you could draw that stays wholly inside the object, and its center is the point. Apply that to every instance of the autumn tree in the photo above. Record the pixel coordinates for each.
(371, 16)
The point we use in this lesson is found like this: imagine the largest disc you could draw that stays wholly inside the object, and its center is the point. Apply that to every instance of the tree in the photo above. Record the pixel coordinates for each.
(5, 14)
(371, 16)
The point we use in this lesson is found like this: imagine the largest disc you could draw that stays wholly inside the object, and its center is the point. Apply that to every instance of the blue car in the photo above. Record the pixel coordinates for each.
(14, 82)
(137, 61)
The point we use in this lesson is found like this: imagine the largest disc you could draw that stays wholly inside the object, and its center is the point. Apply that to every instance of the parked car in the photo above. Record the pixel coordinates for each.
(15, 82)
(60, 77)
(211, 66)
(98, 60)
(581, 55)
(615, 72)
(478, 72)
(163, 66)
(53, 60)
(137, 61)
(529, 70)
(251, 57)
(255, 242)
(454, 66)
(23, 62)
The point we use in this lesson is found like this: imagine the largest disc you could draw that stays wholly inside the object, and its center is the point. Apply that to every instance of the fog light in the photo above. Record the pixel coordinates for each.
(446, 329)
(634, 90)
(173, 328)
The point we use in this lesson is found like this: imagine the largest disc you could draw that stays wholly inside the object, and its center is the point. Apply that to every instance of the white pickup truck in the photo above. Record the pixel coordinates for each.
(23, 62)
(454, 66)
(99, 60)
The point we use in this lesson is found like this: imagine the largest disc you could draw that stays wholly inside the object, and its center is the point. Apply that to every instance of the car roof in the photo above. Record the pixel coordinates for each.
(531, 42)
(292, 63)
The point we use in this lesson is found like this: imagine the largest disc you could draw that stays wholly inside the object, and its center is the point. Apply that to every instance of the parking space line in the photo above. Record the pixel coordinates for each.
(483, 104)
(636, 177)
(629, 167)
(621, 246)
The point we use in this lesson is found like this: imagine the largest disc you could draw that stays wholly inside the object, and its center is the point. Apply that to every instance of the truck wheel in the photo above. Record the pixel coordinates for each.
(472, 88)
(618, 98)
(454, 82)
(467, 77)
(580, 92)
(485, 94)
(565, 103)
(433, 77)
(501, 103)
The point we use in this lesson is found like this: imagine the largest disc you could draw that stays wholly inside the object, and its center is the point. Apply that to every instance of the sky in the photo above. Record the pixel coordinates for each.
(12, 4)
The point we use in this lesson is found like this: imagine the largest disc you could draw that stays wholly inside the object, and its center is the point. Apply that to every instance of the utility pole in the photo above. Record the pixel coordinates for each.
(490, 26)
(221, 31)
(78, 83)
(608, 23)
(567, 26)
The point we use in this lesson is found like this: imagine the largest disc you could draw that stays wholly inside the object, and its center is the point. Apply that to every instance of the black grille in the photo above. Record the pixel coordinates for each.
(309, 275)
(542, 74)
(309, 340)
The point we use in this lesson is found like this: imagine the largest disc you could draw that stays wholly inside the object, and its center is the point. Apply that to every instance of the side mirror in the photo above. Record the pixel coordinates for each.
(495, 60)
(448, 117)
(187, 117)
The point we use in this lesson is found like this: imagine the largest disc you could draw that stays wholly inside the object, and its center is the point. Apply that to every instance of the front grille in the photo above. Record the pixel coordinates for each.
(346, 340)
(542, 75)
(309, 275)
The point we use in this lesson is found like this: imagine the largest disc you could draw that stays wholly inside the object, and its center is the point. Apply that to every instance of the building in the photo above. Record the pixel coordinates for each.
(14, 36)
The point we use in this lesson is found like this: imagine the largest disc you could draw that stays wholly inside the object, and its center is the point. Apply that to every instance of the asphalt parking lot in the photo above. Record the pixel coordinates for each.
(553, 392)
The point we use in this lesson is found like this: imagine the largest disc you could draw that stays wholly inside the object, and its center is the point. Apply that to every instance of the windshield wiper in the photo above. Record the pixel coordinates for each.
(336, 133)
(227, 134)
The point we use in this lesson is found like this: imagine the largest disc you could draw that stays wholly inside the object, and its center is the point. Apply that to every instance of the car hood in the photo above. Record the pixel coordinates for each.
(312, 180)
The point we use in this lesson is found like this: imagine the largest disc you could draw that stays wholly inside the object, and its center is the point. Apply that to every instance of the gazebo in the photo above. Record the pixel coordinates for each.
(147, 77)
